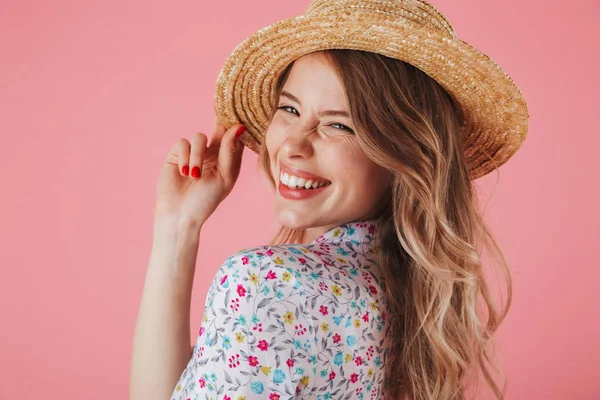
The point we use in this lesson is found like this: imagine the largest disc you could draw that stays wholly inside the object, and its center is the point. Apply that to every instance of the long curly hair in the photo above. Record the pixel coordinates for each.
(431, 232)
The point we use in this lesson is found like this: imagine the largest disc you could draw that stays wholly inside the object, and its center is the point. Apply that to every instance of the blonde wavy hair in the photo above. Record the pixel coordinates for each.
(432, 235)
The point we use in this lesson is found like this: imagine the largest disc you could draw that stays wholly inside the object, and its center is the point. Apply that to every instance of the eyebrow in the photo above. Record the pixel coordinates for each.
(322, 113)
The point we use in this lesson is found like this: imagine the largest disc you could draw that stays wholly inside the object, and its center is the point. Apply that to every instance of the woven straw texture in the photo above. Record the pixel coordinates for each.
(495, 116)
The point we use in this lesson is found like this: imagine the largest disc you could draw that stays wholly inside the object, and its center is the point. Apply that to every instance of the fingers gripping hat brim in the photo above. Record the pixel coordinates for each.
(495, 116)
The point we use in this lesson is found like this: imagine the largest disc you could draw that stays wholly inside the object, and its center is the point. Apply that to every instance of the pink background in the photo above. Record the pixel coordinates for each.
(92, 96)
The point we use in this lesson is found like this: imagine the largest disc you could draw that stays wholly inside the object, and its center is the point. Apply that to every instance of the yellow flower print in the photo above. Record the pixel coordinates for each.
(335, 289)
(336, 233)
(178, 388)
(357, 323)
(287, 276)
(278, 261)
(324, 327)
(239, 337)
(304, 250)
(370, 372)
(241, 398)
(265, 370)
(254, 278)
(348, 357)
(342, 260)
(304, 380)
(288, 317)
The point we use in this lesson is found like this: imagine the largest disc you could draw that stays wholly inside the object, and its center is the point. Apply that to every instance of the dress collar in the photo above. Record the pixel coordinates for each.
(362, 231)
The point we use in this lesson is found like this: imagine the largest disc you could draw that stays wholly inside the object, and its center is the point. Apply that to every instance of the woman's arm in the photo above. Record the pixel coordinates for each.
(161, 344)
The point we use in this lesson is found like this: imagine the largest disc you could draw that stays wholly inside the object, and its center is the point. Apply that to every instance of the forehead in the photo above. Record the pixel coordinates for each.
(313, 79)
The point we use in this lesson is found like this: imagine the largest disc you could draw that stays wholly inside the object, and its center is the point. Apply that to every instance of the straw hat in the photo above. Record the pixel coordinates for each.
(495, 113)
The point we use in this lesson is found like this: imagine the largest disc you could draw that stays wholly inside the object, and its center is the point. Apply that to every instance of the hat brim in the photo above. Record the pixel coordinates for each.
(495, 115)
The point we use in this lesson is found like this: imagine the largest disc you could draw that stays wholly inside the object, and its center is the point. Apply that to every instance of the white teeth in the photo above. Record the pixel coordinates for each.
(292, 181)
(295, 182)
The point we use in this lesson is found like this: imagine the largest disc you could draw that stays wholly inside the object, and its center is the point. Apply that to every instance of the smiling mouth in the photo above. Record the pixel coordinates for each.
(295, 182)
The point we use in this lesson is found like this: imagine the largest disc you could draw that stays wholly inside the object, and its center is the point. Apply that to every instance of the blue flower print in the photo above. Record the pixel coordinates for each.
(226, 343)
(257, 387)
(295, 251)
(338, 319)
(342, 252)
(351, 340)
(278, 376)
(338, 359)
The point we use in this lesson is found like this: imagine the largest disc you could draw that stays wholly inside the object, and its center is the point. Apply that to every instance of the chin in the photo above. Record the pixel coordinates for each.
(294, 220)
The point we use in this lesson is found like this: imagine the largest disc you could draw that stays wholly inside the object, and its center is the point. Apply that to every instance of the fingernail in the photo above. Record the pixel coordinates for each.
(240, 130)
(196, 172)
(185, 169)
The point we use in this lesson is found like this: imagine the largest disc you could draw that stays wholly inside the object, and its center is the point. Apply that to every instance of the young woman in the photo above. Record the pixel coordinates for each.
(371, 288)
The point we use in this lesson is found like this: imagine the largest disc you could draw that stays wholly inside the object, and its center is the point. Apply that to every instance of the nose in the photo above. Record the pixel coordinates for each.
(297, 144)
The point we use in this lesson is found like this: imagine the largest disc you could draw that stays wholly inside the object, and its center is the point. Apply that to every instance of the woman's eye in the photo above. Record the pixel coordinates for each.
(342, 127)
(284, 107)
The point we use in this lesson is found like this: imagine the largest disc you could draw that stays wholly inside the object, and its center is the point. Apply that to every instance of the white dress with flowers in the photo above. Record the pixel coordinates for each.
(294, 322)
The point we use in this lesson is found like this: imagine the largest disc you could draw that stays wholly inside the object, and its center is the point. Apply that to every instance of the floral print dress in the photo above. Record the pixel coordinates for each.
(294, 321)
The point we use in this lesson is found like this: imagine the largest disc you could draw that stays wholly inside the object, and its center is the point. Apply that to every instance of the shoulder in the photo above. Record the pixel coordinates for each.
(267, 263)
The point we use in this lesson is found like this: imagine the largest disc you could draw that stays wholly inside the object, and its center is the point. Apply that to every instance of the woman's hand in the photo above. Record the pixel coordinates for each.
(191, 198)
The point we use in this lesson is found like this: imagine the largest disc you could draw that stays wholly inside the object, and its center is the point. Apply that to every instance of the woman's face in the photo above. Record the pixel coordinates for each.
(308, 145)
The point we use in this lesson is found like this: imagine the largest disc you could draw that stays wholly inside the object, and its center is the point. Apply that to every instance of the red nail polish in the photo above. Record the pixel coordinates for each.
(240, 130)
(185, 170)
(196, 172)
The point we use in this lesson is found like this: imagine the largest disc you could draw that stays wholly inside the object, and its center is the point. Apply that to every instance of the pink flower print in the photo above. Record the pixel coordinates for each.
(290, 362)
(271, 275)
(327, 263)
(253, 361)
(269, 252)
(373, 289)
(358, 360)
(226, 398)
(302, 260)
(353, 378)
(366, 317)
(331, 375)
(201, 331)
(337, 338)
(234, 361)
(201, 382)
(300, 330)
(245, 260)
(263, 345)
(241, 290)
(383, 315)
(223, 279)
(323, 310)
(372, 229)
(273, 396)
